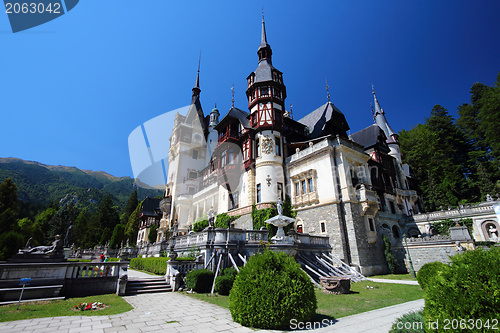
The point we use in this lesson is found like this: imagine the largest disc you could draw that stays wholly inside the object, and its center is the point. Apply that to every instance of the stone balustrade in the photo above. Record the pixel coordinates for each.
(454, 213)
(78, 278)
(244, 241)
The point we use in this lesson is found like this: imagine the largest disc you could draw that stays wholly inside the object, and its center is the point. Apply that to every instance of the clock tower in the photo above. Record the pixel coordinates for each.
(266, 95)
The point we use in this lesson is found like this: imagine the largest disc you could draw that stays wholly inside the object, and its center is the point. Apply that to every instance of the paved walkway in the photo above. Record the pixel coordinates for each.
(414, 283)
(174, 312)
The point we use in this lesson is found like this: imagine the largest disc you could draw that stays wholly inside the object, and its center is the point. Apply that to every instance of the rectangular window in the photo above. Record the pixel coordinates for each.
(231, 156)
(195, 154)
(304, 190)
(193, 174)
(223, 159)
(393, 209)
(371, 224)
(280, 191)
(258, 192)
(297, 189)
(278, 146)
(257, 147)
(191, 190)
(245, 150)
(323, 227)
(310, 184)
(233, 200)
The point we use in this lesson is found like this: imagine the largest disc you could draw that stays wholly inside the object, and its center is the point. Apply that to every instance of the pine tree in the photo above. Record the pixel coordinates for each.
(8, 205)
(10, 238)
(132, 228)
(130, 207)
(118, 236)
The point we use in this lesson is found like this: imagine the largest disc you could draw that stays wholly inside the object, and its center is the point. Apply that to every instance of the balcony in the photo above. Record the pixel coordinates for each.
(368, 200)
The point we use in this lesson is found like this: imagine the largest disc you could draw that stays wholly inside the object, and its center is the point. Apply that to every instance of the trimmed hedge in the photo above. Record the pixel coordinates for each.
(200, 225)
(155, 265)
(467, 289)
(200, 280)
(411, 322)
(428, 271)
(270, 291)
(224, 282)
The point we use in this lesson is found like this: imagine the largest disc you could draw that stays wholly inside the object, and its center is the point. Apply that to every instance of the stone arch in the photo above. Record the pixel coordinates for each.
(395, 232)
(299, 225)
(490, 230)
(386, 230)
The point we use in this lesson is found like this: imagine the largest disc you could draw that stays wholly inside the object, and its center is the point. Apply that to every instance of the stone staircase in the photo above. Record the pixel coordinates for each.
(150, 285)
(325, 265)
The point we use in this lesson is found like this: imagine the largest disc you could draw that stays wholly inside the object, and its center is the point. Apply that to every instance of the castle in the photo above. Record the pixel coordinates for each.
(352, 188)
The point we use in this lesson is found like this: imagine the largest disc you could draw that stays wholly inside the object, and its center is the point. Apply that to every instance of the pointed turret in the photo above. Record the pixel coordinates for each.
(381, 121)
(196, 88)
(195, 110)
(264, 50)
(214, 116)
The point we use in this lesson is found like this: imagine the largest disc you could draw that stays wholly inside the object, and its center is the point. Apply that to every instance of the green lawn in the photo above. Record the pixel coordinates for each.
(222, 301)
(28, 310)
(364, 299)
(394, 277)
(361, 299)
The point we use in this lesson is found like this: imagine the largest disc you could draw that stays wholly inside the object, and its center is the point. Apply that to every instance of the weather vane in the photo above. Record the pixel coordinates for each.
(232, 93)
(327, 90)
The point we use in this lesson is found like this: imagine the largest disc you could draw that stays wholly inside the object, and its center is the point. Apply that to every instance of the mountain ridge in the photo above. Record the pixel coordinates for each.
(42, 184)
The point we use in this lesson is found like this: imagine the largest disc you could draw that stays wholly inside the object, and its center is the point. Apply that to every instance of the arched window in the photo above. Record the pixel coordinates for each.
(299, 226)
(395, 232)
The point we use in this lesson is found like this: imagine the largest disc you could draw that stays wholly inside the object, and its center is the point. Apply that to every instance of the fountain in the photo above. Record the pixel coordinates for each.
(280, 221)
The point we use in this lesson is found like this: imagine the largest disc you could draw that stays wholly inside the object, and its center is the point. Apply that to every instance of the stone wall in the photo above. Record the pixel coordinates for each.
(434, 248)
(311, 219)
(367, 256)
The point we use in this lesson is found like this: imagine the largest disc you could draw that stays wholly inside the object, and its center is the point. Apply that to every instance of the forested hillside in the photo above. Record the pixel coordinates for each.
(85, 207)
(41, 184)
(457, 161)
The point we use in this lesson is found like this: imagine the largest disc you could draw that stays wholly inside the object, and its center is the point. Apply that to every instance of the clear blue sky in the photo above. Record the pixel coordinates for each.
(73, 89)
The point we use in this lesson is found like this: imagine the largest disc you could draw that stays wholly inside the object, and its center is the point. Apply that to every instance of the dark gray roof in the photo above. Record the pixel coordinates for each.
(368, 137)
(150, 206)
(238, 114)
(384, 125)
(264, 71)
(317, 119)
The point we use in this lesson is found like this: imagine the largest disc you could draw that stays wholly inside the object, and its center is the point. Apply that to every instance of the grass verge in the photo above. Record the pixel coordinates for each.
(29, 310)
(361, 298)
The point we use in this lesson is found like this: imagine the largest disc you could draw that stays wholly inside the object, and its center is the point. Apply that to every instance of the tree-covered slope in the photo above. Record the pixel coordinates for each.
(42, 184)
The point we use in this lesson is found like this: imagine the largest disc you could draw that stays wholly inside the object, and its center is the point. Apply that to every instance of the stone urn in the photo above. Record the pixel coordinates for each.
(335, 284)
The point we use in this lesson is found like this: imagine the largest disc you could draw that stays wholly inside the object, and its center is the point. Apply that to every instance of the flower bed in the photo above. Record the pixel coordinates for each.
(89, 306)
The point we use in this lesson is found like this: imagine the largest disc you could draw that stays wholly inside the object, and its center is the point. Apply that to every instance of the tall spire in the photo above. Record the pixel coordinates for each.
(263, 38)
(264, 50)
(196, 89)
(381, 121)
(378, 109)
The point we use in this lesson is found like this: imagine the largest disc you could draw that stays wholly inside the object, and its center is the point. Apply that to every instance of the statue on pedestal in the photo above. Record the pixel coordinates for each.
(50, 253)
(211, 217)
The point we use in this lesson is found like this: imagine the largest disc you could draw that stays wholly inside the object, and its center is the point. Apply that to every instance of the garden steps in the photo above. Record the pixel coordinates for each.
(149, 285)
(316, 267)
